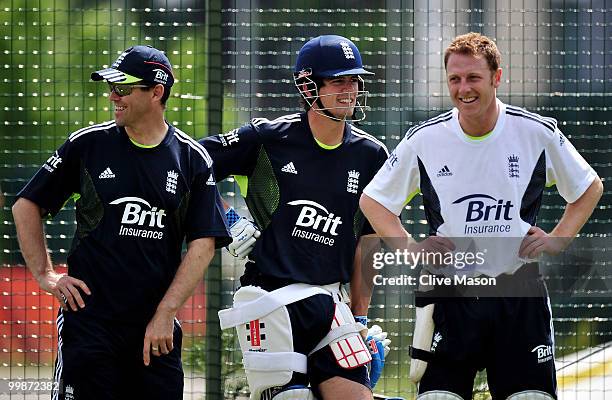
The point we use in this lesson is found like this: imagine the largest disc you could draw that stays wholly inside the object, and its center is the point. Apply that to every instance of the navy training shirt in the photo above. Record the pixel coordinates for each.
(304, 198)
(136, 207)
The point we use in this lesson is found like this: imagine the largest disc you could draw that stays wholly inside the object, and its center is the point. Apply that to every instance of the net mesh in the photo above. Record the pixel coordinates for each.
(555, 59)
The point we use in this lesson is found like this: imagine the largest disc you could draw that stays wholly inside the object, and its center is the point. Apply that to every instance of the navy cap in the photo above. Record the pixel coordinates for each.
(330, 55)
(138, 63)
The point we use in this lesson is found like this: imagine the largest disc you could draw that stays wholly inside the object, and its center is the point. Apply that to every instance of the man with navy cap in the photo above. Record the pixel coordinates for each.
(141, 188)
(301, 176)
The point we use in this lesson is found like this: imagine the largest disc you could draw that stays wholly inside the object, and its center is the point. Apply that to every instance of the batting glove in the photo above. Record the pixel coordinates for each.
(378, 345)
(244, 234)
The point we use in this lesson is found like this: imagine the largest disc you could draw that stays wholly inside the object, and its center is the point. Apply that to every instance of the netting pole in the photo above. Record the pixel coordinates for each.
(214, 97)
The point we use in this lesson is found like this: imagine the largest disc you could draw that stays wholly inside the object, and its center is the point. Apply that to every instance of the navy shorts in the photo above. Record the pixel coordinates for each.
(511, 337)
(103, 360)
(311, 320)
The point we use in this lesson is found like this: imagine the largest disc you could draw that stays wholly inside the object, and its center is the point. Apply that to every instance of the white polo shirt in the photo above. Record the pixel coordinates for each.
(487, 187)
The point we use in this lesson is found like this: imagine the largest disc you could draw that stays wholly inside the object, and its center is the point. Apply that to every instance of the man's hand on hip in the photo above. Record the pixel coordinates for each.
(537, 242)
(65, 288)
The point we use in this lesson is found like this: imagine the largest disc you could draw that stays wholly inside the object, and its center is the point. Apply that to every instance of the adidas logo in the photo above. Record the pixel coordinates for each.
(445, 171)
(106, 174)
(211, 180)
(289, 168)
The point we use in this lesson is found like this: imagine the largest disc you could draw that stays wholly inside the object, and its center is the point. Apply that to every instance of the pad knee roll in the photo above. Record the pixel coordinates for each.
(530, 395)
(439, 395)
(421, 340)
(267, 346)
(301, 393)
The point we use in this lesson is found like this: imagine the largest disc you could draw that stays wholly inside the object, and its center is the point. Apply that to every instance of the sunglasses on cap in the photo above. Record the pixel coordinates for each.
(123, 90)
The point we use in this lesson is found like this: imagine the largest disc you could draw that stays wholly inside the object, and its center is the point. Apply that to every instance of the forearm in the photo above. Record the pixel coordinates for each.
(386, 224)
(28, 223)
(577, 213)
(363, 274)
(191, 271)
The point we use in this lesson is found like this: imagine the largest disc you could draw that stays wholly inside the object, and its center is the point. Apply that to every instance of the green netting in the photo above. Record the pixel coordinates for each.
(555, 56)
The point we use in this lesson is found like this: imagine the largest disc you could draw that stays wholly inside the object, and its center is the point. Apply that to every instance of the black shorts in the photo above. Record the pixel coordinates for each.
(103, 360)
(311, 320)
(512, 337)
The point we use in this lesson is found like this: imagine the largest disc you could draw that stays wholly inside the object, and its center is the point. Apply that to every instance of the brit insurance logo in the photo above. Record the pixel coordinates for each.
(52, 162)
(139, 219)
(229, 138)
(161, 76)
(543, 352)
(391, 161)
(485, 214)
(315, 223)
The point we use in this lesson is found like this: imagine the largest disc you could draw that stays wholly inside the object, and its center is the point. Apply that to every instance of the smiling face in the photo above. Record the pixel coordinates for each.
(472, 86)
(131, 108)
(339, 95)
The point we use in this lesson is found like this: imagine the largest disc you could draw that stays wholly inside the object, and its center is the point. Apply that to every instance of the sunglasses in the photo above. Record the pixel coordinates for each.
(123, 90)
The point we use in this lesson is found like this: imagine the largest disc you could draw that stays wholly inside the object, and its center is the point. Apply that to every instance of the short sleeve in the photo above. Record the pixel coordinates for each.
(567, 169)
(235, 152)
(382, 156)
(55, 181)
(398, 179)
(205, 213)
